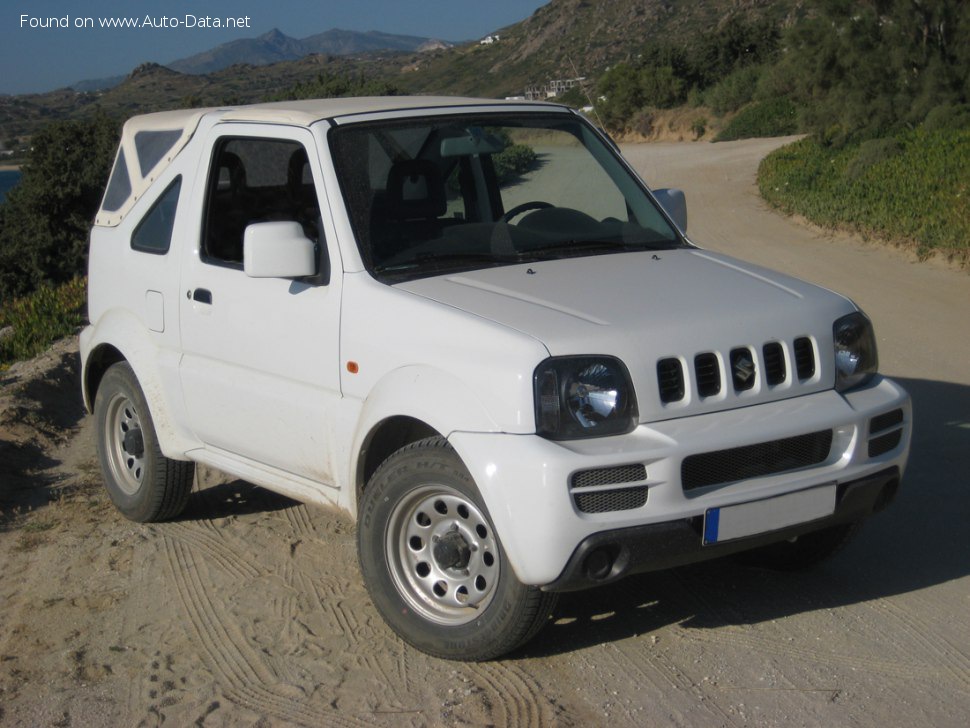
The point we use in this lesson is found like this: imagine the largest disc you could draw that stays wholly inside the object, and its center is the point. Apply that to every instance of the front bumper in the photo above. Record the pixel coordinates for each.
(529, 486)
(608, 556)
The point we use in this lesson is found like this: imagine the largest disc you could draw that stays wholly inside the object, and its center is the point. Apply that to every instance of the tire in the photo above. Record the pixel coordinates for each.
(433, 563)
(804, 552)
(142, 483)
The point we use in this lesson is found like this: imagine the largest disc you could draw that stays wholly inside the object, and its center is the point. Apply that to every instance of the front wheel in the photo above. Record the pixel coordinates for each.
(433, 563)
(142, 483)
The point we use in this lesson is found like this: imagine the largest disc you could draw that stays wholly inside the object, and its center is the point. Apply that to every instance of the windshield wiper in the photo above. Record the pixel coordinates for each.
(437, 260)
(580, 247)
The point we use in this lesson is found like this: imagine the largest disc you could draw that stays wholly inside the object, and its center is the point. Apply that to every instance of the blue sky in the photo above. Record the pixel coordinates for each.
(36, 59)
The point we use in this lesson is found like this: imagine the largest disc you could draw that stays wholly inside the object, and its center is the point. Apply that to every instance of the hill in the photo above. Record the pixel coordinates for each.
(563, 39)
(570, 38)
(275, 46)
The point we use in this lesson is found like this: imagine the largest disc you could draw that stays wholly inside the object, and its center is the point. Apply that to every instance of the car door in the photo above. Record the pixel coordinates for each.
(259, 370)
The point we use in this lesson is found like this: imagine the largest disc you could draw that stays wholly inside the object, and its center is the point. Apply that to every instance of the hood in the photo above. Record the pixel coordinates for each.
(647, 307)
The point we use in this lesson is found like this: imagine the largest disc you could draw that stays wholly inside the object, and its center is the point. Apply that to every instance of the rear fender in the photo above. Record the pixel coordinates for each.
(120, 335)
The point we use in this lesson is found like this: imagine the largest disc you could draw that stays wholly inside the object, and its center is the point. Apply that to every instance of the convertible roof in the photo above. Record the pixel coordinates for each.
(150, 142)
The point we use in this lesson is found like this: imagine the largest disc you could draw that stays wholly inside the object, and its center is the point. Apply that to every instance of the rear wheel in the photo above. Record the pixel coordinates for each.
(143, 484)
(433, 563)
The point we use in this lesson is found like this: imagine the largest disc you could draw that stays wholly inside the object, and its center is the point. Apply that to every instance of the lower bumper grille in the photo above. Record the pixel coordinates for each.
(753, 461)
(592, 492)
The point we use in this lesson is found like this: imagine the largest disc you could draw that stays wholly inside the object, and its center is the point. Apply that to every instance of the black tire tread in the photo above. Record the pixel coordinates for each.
(169, 482)
(534, 608)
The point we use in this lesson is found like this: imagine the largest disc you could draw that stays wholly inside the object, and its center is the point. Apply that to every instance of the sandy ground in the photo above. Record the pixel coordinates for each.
(249, 610)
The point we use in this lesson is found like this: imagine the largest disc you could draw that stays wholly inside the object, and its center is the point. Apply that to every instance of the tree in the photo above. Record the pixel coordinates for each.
(327, 86)
(868, 69)
(46, 219)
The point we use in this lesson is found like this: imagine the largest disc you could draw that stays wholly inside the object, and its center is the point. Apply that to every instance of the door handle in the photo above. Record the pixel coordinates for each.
(202, 295)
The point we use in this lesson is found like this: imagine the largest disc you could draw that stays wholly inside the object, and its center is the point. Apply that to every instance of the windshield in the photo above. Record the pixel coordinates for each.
(446, 194)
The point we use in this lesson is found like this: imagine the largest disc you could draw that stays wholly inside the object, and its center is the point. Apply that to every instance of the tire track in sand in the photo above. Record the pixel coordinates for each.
(245, 678)
(520, 697)
(941, 651)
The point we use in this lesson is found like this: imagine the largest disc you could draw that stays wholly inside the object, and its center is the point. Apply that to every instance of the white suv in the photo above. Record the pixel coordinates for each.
(472, 326)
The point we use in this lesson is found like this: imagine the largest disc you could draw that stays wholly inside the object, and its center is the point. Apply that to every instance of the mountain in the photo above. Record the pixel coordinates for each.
(274, 47)
(563, 39)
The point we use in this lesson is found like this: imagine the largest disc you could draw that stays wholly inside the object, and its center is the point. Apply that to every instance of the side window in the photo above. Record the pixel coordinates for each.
(154, 232)
(256, 180)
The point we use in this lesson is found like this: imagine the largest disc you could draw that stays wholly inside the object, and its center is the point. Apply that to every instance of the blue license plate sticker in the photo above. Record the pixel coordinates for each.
(770, 514)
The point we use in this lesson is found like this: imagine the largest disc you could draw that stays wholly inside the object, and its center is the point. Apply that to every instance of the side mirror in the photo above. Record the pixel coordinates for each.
(278, 250)
(675, 203)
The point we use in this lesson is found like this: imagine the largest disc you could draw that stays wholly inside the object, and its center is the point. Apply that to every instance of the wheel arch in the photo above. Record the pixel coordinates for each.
(410, 404)
(384, 439)
(117, 338)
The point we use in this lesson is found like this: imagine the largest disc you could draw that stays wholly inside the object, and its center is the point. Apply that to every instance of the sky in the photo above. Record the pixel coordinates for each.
(35, 57)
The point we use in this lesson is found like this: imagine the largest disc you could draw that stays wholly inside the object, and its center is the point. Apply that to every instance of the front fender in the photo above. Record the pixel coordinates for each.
(157, 371)
(439, 400)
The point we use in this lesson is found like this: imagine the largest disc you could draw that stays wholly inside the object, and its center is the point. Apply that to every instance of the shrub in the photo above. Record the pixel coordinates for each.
(46, 219)
(734, 91)
(513, 161)
(917, 194)
(777, 117)
(40, 319)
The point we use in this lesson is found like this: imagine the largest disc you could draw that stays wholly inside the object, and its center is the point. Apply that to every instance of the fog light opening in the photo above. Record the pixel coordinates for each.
(599, 563)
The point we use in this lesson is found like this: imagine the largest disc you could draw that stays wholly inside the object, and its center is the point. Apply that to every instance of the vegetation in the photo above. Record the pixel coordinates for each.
(774, 117)
(34, 322)
(883, 87)
(46, 218)
(721, 69)
(331, 85)
(913, 188)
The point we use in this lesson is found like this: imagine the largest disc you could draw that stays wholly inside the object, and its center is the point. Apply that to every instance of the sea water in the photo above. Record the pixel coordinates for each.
(8, 179)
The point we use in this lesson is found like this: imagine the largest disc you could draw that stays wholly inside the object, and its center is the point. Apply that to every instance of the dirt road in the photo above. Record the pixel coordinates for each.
(250, 611)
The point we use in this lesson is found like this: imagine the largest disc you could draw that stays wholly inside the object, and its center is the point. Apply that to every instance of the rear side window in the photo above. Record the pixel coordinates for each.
(119, 186)
(154, 232)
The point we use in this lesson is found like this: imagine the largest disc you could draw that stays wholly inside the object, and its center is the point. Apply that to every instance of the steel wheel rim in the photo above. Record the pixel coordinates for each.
(124, 444)
(443, 555)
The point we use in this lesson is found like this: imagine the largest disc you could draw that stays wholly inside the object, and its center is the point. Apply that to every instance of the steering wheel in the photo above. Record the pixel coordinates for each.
(525, 207)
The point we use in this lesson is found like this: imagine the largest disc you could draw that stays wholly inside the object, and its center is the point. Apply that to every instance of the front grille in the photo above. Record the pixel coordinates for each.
(609, 476)
(753, 461)
(804, 358)
(744, 368)
(670, 376)
(775, 371)
(604, 501)
(708, 375)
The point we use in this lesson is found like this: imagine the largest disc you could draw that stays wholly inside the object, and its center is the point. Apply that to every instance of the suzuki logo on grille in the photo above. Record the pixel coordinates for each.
(743, 369)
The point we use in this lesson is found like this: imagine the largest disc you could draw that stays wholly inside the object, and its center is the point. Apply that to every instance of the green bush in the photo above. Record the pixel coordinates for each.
(913, 188)
(777, 117)
(733, 91)
(513, 162)
(40, 319)
(46, 219)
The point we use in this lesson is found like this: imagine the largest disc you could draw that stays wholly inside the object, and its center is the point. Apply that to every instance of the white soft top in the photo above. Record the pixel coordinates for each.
(150, 142)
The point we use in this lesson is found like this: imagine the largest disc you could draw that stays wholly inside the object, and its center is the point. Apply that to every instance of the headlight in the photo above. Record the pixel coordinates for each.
(583, 396)
(855, 351)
